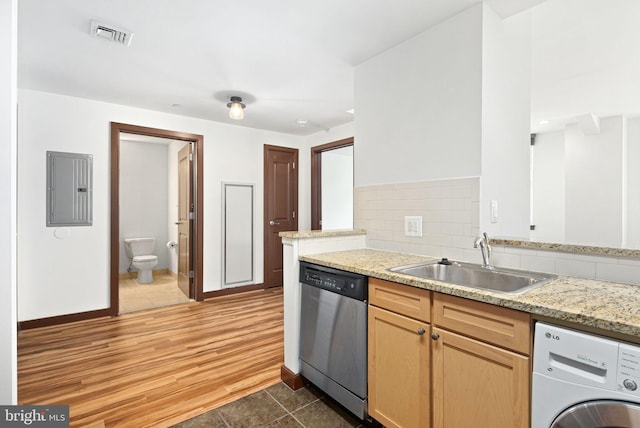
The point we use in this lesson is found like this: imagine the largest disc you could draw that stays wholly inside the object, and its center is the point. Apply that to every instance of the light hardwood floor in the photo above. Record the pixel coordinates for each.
(155, 368)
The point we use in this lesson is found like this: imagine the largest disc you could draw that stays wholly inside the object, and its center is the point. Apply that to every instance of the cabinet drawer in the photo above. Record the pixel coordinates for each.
(500, 326)
(403, 299)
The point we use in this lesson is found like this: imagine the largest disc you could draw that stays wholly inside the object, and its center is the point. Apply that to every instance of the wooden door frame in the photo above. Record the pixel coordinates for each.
(316, 178)
(198, 195)
(265, 213)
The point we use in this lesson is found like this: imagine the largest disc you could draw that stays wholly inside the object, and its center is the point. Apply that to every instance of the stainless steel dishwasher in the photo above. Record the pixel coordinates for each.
(333, 334)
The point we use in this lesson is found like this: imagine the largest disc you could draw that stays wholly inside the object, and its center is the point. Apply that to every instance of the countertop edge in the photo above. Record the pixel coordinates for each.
(566, 248)
(568, 299)
(313, 234)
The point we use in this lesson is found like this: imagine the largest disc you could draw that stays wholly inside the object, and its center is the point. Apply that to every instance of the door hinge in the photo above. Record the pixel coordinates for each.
(294, 165)
(294, 214)
(191, 157)
(192, 215)
(190, 274)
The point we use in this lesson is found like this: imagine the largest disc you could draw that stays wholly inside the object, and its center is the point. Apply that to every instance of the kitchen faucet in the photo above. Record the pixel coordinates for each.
(485, 248)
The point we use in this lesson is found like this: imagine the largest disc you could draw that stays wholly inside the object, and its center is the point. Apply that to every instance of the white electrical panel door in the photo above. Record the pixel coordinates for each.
(69, 189)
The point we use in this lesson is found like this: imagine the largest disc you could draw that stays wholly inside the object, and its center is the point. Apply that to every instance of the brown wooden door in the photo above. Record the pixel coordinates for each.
(185, 206)
(280, 207)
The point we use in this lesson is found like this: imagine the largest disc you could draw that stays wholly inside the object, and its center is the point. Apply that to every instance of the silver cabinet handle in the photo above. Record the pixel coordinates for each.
(421, 331)
(274, 223)
(435, 336)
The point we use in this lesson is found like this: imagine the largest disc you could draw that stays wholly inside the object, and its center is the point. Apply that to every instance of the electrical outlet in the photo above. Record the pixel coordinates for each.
(413, 225)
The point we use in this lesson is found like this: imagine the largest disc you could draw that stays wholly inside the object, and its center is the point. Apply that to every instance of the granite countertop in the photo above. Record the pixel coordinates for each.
(567, 248)
(608, 307)
(302, 234)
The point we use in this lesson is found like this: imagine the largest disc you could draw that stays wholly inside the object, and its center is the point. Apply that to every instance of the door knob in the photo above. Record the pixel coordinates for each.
(435, 336)
(421, 331)
(274, 223)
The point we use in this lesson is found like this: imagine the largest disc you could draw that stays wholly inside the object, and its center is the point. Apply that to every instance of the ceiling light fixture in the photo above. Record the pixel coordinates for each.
(236, 108)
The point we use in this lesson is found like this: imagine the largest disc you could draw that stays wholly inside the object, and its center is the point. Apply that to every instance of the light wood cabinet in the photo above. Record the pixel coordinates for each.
(471, 368)
(478, 385)
(500, 326)
(476, 381)
(408, 301)
(399, 355)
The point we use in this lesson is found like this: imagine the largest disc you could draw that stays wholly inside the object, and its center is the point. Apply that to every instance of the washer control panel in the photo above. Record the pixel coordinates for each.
(629, 368)
(586, 359)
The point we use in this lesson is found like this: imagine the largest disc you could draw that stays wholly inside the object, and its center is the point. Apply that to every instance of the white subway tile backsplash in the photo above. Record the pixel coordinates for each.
(447, 208)
(454, 229)
(595, 259)
(506, 260)
(575, 268)
(629, 262)
(450, 211)
(618, 273)
(538, 264)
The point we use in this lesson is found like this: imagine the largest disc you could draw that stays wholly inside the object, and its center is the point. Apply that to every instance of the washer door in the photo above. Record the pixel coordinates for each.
(600, 414)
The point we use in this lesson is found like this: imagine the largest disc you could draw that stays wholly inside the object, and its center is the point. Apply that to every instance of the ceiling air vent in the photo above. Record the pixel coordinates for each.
(109, 32)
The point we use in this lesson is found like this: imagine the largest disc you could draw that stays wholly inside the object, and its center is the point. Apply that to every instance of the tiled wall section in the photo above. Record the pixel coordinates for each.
(449, 210)
(450, 222)
(603, 268)
(330, 244)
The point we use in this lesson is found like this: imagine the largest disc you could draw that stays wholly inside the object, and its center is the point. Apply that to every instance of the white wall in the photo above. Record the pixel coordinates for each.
(594, 177)
(452, 102)
(418, 106)
(599, 208)
(144, 197)
(506, 65)
(633, 183)
(337, 189)
(8, 150)
(548, 187)
(304, 173)
(74, 272)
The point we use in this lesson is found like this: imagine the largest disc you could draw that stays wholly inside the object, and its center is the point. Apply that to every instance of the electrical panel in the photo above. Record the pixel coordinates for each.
(69, 189)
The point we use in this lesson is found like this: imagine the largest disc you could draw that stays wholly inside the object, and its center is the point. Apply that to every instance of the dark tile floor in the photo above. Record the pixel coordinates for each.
(277, 406)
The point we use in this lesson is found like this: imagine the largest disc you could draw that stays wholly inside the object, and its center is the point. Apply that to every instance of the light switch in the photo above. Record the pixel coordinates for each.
(493, 216)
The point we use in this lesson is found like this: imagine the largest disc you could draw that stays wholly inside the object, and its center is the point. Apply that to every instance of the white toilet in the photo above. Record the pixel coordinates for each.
(140, 251)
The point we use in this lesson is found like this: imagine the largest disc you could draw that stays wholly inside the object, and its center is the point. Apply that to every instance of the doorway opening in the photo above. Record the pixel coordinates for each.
(186, 241)
(332, 182)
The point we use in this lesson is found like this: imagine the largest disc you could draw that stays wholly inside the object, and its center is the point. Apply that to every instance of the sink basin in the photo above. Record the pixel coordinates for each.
(509, 281)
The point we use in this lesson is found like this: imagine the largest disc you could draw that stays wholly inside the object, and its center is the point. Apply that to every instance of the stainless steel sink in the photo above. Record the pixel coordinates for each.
(501, 280)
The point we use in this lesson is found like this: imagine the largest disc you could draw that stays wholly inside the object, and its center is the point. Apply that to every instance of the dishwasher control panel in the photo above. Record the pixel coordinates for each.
(338, 281)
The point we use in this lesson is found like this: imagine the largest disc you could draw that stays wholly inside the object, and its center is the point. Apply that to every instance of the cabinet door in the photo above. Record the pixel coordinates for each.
(409, 301)
(478, 385)
(398, 369)
(506, 328)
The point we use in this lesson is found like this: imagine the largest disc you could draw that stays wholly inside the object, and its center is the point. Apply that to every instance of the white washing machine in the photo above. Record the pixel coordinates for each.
(584, 381)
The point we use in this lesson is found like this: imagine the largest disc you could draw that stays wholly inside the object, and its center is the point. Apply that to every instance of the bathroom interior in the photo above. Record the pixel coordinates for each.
(148, 214)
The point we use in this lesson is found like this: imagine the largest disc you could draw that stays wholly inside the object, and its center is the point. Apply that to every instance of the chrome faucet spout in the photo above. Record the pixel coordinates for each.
(485, 248)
